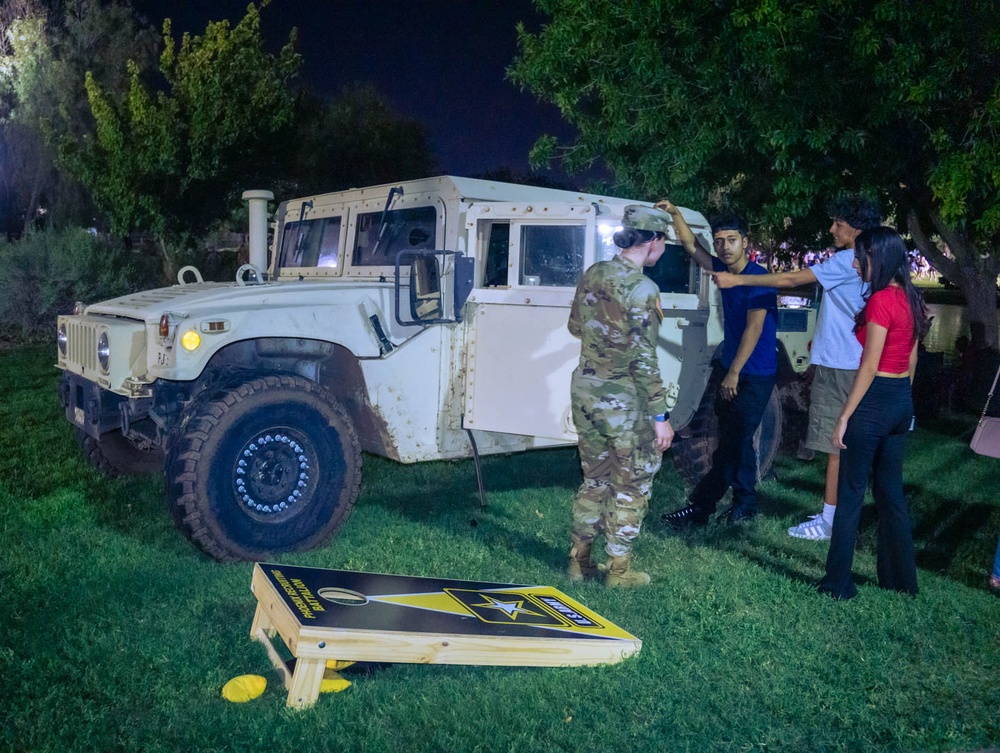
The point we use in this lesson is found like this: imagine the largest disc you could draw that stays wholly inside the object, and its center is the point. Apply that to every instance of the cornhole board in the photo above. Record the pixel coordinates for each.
(353, 616)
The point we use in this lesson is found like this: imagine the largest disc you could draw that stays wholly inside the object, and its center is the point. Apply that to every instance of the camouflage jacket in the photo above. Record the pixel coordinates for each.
(616, 314)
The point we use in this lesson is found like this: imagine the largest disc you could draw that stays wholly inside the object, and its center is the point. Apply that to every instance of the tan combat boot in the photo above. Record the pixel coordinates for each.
(621, 575)
(581, 567)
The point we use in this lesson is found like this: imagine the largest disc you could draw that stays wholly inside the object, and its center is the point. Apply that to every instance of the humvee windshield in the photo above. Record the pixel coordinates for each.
(411, 229)
(311, 243)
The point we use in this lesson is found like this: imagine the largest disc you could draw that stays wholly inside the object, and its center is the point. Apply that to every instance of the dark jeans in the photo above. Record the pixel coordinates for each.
(876, 441)
(734, 462)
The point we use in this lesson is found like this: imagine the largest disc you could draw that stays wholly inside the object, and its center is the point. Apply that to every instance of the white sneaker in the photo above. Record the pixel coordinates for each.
(814, 529)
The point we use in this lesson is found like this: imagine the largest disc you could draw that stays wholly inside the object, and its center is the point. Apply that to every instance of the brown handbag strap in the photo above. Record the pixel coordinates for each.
(990, 396)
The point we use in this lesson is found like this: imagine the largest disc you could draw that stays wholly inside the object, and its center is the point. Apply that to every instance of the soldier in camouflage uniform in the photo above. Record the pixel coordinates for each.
(619, 404)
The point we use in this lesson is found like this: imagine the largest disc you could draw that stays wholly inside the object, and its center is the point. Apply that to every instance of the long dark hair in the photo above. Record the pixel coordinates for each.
(882, 257)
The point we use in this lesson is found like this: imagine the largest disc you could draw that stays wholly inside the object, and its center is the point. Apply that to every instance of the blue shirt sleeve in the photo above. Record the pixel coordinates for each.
(762, 298)
(759, 298)
(836, 270)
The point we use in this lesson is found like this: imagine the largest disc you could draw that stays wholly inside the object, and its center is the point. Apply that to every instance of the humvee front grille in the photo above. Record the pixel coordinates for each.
(82, 345)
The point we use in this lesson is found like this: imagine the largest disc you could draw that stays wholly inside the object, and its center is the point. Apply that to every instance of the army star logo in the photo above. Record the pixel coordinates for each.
(507, 606)
(510, 608)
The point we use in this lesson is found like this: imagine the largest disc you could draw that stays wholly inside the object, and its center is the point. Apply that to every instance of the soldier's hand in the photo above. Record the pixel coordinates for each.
(664, 435)
(729, 386)
(725, 280)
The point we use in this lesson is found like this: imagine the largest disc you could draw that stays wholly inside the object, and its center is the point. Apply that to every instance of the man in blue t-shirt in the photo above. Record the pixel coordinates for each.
(746, 371)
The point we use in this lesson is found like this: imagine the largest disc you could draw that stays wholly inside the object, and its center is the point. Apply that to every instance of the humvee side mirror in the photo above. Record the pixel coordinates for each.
(425, 289)
(439, 285)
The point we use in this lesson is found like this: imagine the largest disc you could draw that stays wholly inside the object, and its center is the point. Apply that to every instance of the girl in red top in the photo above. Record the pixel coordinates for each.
(871, 430)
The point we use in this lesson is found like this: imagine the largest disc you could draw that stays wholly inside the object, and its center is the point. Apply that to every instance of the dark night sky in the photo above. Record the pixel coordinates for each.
(439, 61)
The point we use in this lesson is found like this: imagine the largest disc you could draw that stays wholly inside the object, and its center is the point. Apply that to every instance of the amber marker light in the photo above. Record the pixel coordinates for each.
(164, 326)
(190, 340)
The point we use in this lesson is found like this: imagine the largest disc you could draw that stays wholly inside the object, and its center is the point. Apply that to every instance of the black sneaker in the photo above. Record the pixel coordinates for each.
(686, 516)
(738, 514)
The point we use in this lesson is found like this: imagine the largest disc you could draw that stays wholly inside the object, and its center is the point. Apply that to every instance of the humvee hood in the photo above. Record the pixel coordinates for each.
(149, 305)
(152, 303)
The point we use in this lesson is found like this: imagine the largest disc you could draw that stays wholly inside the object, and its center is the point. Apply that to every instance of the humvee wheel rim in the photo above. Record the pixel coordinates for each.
(274, 474)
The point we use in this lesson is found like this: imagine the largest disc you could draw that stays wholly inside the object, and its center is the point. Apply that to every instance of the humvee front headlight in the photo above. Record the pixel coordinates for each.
(103, 352)
(190, 340)
(62, 338)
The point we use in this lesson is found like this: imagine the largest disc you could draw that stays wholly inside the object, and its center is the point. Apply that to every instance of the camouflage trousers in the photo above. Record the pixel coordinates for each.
(619, 460)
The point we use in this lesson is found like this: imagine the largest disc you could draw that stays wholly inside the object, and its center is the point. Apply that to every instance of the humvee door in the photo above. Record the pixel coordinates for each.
(520, 354)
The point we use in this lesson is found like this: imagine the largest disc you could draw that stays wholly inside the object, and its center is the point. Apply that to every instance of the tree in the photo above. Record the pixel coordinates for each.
(171, 160)
(355, 139)
(46, 51)
(778, 105)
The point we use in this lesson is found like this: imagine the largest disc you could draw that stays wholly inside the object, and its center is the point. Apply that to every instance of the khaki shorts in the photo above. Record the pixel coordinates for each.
(830, 388)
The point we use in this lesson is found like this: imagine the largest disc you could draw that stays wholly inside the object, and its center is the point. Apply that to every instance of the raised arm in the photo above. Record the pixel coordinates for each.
(687, 238)
(792, 279)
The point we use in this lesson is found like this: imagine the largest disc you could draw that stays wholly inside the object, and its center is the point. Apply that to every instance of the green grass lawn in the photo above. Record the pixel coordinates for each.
(117, 635)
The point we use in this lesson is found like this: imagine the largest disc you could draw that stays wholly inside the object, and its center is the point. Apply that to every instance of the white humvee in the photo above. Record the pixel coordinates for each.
(418, 321)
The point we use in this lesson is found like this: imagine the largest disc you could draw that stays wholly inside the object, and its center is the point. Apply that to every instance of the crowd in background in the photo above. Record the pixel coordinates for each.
(920, 268)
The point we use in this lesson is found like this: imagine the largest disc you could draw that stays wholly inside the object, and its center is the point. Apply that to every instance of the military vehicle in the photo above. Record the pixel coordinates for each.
(418, 321)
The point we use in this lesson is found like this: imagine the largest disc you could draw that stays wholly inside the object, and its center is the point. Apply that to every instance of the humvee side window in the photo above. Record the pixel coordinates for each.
(552, 255)
(497, 254)
(312, 243)
(672, 271)
(410, 229)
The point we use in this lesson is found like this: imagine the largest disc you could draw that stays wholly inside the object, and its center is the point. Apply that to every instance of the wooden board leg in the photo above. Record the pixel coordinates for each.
(306, 680)
(261, 622)
(276, 661)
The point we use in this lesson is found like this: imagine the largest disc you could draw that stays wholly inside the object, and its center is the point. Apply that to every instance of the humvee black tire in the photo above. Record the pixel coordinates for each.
(269, 465)
(693, 447)
(114, 456)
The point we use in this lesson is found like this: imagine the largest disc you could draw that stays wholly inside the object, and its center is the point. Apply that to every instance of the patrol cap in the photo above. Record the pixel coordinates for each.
(646, 218)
